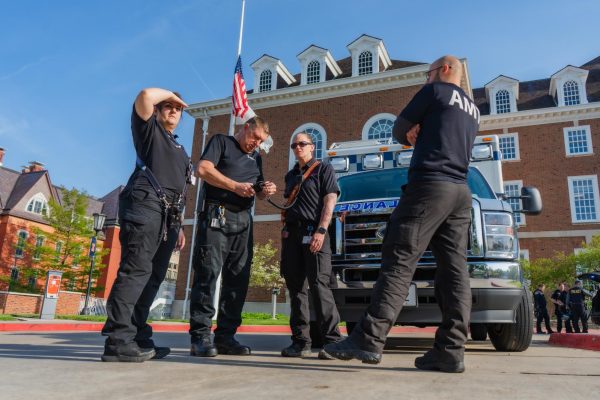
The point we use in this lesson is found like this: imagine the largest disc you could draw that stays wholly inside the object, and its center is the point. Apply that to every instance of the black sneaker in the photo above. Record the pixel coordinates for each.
(324, 355)
(346, 350)
(429, 362)
(203, 348)
(232, 347)
(297, 350)
(130, 352)
(161, 352)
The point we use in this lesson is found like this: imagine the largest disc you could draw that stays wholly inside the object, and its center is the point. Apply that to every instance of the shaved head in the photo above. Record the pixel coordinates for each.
(452, 73)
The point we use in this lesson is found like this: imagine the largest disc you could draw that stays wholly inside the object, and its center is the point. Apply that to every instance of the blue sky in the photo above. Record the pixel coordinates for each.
(70, 70)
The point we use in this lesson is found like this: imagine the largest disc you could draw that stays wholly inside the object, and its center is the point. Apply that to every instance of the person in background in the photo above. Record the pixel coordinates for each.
(541, 311)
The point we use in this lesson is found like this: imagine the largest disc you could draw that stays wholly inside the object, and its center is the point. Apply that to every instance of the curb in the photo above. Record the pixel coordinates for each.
(583, 341)
(162, 327)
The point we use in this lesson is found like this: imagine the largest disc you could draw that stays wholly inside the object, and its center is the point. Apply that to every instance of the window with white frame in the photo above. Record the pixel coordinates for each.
(583, 196)
(379, 126)
(365, 63)
(513, 189)
(21, 240)
(38, 205)
(571, 93)
(318, 136)
(37, 252)
(313, 72)
(502, 102)
(578, 140)
(265, 81)
(509, 146)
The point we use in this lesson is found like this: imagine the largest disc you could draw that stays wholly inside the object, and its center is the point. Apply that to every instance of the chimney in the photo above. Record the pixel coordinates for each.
(1, 156)
(35, 166)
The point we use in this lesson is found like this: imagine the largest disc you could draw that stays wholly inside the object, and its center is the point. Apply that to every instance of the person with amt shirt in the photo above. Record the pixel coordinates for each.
(231, 167)
(311, 191)
(150, 209)
(441, 122)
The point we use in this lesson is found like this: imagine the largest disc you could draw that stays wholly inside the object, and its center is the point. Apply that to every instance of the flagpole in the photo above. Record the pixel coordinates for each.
(239, 51)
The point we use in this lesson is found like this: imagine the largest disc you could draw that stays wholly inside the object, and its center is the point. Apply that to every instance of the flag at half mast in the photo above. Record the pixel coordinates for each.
(241, 110)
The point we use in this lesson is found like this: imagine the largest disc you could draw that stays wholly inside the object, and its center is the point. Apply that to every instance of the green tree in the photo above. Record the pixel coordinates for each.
(265, 271)
(65, 247)
(588, 260)
(550, 271)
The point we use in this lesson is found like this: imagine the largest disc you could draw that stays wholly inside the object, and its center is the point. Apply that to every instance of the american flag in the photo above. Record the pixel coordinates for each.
(241, 110)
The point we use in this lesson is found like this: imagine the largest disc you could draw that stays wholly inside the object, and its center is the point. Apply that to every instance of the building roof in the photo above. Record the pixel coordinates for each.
(8, 179)
(535, 94)
(110, 206)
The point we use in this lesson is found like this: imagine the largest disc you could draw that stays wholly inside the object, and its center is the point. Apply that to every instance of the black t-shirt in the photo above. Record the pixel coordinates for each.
(229, 159)
(449, 122)
(576, 295)
(539, 299)
(309, 202)
(562, 296)
(160, 152)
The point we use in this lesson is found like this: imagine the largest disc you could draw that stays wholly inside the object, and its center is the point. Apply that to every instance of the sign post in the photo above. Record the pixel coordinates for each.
(51, 294)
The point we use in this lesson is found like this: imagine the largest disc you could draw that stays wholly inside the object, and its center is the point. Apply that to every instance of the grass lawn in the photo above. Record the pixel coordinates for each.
(247, 319)
(7, 317)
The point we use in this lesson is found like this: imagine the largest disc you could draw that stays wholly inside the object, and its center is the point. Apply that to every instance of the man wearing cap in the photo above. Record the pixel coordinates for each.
(576, 302)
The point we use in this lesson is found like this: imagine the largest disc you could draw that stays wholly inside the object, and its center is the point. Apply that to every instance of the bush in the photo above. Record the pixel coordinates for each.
(265, 272)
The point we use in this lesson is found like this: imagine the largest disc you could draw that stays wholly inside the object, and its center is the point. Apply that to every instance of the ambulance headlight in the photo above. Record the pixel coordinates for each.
(340, 164)
(373, 161)
(500, 239)
(482, 152)
(403, 158)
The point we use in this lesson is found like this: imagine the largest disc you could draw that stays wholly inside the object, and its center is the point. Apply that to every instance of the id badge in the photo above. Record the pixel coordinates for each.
(214, 223)
(306, 239)
(193, 180)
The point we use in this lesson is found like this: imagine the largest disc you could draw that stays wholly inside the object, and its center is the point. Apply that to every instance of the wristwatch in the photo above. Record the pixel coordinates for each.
(321, 230)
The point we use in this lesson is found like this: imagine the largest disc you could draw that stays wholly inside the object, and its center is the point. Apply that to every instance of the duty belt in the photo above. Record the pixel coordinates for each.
(230, 207)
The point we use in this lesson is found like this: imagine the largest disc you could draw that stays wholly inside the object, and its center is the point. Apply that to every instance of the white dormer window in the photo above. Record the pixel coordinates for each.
(315, 62)
(567, 86)
(38, 205)
(265, 81)
(365, 63)
(267, 71)
(368, 55)
(313, 72)
(571, 93)
(502, 101)
(502, 94)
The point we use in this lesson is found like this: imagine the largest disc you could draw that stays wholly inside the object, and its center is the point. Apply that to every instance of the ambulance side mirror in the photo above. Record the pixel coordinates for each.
(532, 200)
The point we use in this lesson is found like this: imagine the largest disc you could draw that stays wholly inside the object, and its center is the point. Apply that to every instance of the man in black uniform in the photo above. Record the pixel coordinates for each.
(149, 213)
(441, 121)
(576, 303)
(541, 311)
(311, 190)
(230, 167)
(559, 298)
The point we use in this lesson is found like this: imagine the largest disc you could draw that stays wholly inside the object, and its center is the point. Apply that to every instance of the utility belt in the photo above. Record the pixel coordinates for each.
(172, 214)
(229, 207)
(299, 224)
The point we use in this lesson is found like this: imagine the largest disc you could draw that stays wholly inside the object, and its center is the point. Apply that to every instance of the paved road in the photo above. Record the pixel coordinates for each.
(66, 366)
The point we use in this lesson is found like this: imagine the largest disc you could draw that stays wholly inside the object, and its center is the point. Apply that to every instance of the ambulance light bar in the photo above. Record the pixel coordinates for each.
(340, 164)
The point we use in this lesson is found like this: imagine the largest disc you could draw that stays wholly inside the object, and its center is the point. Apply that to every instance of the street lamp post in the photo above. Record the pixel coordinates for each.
(98, 224)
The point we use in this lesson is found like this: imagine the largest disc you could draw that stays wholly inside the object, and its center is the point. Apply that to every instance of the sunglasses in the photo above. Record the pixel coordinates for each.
(428, 73)
(301, 144)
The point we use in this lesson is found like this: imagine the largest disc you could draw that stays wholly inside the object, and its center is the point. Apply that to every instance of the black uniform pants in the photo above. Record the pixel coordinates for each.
(578, 313)
(301, 269)
(542, 314)
(226, 250)
(559, 321)
(144, 263)
(437, 214)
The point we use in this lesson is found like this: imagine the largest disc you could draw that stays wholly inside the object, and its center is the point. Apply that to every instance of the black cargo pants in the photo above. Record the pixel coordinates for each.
(437, 214)
(226, 250)
(299, 267)
(578, 313)
(559, 321)
(542, 314)
(144, 263)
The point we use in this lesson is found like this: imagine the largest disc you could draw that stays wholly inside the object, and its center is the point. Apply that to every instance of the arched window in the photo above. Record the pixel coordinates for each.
(313, 72)
(379, 127)
(502, 102)
(571, 93)
(20, 247)
(265, 81)
(38, 205)
(365, 63)
(319, 139)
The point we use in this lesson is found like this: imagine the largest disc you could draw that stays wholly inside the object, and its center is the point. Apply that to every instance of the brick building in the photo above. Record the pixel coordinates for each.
(548, 129)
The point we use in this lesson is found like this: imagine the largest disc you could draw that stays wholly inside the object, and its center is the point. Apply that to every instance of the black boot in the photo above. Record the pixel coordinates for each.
(430, 362)
(161, 352)
(129, 352)
(297, 350)
(347, 350)
(203, 347)
(231, 347)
